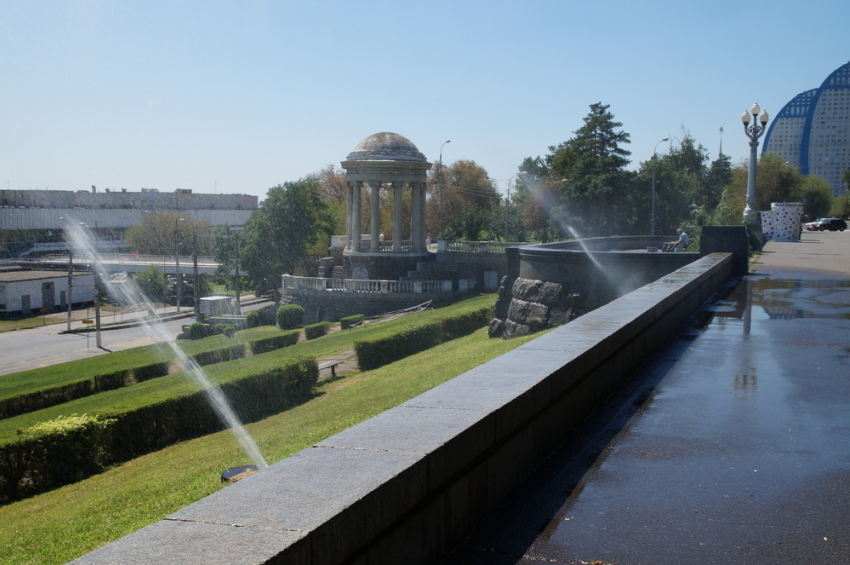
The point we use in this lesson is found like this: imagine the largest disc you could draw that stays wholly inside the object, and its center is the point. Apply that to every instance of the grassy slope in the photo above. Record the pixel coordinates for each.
(63, 524)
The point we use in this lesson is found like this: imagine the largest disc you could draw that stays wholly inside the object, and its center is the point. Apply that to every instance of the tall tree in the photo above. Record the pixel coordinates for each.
(594, 164)
(278, 237)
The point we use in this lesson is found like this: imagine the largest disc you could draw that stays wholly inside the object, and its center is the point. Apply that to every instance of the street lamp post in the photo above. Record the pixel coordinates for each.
(441, 188)
(177, 261)
(195, 272)
(508, 207)
(654, 159)
(235, 231)
(754, 132)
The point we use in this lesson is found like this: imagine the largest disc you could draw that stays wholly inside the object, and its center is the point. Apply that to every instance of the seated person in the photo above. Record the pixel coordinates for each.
(682, 242)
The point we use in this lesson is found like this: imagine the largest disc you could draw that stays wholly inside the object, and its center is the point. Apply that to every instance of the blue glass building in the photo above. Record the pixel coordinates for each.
(812, 131)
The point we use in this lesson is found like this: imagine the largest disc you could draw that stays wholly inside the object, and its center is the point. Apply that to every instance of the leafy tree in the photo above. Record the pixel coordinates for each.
(471, 207)
(333, 190)
(152, 283)
(278, 236)
(841, 206)
(816, 196)
(155, 234)
(718, 177)
(776, 181)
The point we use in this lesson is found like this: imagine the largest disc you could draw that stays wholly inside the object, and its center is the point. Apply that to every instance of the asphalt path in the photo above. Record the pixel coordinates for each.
(44, 346)
(731, 444)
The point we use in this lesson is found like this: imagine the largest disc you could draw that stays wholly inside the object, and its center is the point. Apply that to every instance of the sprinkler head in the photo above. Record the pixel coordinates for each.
(235, 474)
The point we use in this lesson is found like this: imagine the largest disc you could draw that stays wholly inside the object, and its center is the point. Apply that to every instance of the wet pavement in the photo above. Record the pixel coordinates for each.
(732, 445)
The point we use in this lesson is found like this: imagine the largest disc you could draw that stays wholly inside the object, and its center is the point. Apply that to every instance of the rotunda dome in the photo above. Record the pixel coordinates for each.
(386, 146)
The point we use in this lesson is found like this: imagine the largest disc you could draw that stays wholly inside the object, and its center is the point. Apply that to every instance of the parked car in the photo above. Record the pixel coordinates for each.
(833, 224)
(822, 224)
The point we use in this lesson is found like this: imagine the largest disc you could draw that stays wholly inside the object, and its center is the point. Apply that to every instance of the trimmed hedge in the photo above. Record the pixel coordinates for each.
(377, 352)
(316, 330)
(276, 342)
(55, 453)
(33, 401)
(219, 355)
(351, 321)
(290, 317)
(66, 450)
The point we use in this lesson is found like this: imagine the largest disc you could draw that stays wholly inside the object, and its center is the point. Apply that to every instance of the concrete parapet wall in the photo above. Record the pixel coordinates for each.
(409, 484)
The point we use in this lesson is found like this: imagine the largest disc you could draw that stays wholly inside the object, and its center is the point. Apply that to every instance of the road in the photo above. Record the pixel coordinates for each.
(43, 346)
(731, 445)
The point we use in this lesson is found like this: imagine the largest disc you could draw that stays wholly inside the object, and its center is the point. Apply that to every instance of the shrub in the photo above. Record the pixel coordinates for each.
(253, 319)
(316, 330)
(198, 330)
(290, 316)
(54, 453)
(351, 321)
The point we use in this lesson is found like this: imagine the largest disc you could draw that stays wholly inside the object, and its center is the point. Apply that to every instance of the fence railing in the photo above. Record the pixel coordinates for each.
(450, 246)
(384, 246)
(127, 258)
(364, 286)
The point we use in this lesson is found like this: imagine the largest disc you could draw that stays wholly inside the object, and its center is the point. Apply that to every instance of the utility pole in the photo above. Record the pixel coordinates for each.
(195, 261)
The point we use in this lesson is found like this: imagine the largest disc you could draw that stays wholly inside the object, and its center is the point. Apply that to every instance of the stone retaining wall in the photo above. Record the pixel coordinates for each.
(409, 484)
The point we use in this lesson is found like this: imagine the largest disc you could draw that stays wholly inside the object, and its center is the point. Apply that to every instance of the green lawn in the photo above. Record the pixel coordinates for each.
(61, 525)
(64, 373)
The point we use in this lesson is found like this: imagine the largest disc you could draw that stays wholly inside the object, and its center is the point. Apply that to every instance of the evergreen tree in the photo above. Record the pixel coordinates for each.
(594, 164)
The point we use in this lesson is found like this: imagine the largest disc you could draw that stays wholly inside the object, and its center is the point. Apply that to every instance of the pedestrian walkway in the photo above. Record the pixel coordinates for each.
(732, 445)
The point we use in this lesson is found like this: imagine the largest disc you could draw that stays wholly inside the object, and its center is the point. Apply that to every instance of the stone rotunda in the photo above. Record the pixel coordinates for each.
(391, 159)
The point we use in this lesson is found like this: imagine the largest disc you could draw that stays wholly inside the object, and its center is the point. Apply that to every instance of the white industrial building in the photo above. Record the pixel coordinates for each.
(25, 292)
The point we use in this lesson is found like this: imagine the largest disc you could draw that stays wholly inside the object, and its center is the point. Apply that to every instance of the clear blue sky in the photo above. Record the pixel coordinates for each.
(236, 97)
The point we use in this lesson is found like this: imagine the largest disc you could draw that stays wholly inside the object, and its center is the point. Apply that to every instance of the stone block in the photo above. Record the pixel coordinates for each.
(559, 316)
(552, 294)
(450, 440)
(512, 388)
(340, 498)
(527, 289)
(174, 542)
(513, 329)
(537, 316)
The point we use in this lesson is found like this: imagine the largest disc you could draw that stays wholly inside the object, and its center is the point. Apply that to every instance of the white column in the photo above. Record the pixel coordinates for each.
(356, 217)
(349, 206)
(418, 220)
(423, 226)
(415, 215)
(397, 219)
(375, 244)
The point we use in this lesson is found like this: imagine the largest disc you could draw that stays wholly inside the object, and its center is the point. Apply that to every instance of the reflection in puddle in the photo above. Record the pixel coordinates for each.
(780, 299)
